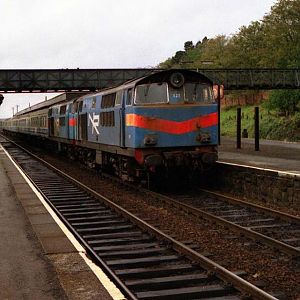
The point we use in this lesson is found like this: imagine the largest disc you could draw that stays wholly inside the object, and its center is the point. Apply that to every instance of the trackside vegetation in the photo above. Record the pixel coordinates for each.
(273, 125)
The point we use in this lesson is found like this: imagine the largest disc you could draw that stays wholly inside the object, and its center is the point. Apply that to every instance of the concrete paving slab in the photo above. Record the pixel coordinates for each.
(34, 210)
(57, 245)
(48, 230)
(40, 219)
(22, 188)
(15, 179)
(27, 195)
(30, 201)
(68, 263)
(73, 274)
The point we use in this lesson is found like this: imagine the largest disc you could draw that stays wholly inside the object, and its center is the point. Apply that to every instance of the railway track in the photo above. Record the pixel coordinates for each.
(144, 262)
(271, 227)
(261, 224)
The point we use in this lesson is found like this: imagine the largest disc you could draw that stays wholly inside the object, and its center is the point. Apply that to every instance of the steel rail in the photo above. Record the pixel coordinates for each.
(221, 272)
(257, 207)
(243, 230)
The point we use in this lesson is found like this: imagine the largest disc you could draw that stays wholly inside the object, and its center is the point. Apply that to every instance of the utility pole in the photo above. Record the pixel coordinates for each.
(17, 107)
(238, 127)
(219, 114)
(13, 109)
(256, 128)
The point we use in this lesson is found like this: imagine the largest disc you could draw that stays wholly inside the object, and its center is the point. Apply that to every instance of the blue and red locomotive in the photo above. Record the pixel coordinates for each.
(164, 121)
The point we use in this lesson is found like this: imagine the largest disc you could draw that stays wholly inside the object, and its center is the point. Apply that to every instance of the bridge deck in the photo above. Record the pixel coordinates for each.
(53, 80)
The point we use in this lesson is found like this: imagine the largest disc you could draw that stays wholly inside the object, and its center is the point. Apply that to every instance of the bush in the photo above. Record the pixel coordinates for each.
(285, 101)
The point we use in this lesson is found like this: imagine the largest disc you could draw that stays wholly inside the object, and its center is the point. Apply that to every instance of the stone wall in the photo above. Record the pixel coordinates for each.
(244, 98)
(254, 183)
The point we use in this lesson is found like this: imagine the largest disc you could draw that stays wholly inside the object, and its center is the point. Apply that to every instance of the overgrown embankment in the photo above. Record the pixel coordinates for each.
(273, 126)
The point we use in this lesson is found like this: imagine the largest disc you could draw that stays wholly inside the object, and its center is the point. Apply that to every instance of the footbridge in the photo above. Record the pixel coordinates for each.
(67, 80)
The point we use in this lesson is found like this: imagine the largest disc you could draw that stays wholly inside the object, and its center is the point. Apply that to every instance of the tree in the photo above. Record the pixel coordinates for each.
(188, 46)
(282, 29)
(247, 47)
(204, 40)
(178, 57)
(285, 101)
(213, 51)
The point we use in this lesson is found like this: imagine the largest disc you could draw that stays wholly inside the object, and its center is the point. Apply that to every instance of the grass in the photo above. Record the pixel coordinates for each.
(272, 125)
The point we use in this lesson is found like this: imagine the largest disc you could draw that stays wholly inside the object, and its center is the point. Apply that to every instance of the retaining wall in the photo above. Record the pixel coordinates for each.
(255, 183)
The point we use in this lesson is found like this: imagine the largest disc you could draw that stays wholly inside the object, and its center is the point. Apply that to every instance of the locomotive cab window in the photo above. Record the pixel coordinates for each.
(191, 92)
(198, 92)
(151, 93)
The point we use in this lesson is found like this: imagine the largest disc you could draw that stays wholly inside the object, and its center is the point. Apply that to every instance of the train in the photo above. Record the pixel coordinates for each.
(148, 126)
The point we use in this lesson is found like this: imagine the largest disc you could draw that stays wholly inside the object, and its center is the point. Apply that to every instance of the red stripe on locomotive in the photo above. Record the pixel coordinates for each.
(171, 127)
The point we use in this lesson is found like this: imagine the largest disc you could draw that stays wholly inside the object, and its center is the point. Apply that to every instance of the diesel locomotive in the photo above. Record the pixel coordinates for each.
(151, 125)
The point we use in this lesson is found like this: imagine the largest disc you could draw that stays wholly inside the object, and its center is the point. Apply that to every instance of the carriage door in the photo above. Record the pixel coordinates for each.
(120, 109)
(72, 120)
(50, 123)
(82, 123)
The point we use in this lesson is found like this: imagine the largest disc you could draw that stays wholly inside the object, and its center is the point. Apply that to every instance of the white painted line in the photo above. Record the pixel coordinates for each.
(280, 173)
(114, 292)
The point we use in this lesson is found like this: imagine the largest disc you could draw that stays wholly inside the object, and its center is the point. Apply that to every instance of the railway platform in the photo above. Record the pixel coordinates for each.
(274, 155)
(38, 260)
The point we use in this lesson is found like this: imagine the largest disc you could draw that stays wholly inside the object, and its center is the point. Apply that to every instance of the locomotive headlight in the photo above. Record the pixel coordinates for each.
(177, 80)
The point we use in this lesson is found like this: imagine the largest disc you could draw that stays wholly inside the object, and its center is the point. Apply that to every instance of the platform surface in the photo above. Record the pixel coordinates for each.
(275, 155)
(37, 260)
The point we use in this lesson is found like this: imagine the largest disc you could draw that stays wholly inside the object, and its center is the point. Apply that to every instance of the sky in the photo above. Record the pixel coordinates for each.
(109, 33)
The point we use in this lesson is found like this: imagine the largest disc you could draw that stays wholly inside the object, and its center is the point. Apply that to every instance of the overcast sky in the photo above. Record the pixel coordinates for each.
(109, 33)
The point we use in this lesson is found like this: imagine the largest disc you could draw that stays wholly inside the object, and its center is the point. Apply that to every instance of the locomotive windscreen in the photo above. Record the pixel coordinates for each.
(151, 93)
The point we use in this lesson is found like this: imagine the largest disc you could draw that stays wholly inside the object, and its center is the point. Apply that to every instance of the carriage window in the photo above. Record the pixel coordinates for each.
(151, 93)
(74, 107)
(80, 106)
(119, 95)
(62, 110)
(108, 100)
(129, 97)
(94, 102)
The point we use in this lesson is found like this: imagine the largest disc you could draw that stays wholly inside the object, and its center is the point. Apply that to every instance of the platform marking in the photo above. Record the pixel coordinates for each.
(279, 172)
(113, 291)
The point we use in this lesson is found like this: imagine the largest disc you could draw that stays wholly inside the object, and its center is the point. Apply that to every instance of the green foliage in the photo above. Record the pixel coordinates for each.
(282, 30)
(188, 46)
(272, 126)
(285, 101)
